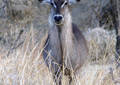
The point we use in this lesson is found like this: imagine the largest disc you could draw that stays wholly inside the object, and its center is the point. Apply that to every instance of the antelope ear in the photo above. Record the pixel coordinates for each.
(44, 1)
(73, 1)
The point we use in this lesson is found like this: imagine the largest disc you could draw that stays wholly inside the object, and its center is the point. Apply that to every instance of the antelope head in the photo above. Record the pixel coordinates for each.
(58, 8)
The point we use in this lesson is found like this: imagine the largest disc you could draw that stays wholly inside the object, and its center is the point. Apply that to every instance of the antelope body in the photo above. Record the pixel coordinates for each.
(65, 45)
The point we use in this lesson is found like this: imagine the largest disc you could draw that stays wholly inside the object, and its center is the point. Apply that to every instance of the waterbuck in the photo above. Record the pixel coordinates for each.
(65, 48)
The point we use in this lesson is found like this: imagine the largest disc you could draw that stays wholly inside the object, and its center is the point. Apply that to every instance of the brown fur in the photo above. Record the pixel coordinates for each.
(65, 47)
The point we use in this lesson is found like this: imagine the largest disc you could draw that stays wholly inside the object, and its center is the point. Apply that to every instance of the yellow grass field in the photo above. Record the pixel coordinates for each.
(25, 66)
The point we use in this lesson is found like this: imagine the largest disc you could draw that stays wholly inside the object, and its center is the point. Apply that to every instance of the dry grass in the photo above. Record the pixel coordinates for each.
(25, 65)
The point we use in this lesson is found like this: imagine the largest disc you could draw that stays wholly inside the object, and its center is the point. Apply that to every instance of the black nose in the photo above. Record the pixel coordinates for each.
(58, 18)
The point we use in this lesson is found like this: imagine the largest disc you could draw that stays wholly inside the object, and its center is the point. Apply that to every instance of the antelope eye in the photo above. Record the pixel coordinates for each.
(66, 3)
(51, 3)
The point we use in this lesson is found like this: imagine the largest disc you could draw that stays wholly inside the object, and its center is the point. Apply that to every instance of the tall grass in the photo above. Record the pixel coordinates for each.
(25, 65)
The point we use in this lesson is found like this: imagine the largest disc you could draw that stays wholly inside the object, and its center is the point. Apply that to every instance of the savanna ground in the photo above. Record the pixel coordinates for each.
(21, 45)
(25, 66)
